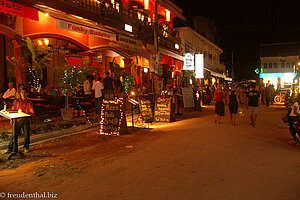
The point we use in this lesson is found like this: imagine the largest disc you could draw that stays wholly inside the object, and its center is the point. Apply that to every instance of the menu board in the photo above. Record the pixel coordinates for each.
(146, 108)
(111, 117)
(188, 98)
(163, 109)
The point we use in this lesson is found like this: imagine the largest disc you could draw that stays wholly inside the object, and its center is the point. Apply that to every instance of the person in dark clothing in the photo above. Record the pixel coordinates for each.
(119, 88)
(268, 95)
(253, 101)
(233, 106)
(109, 87)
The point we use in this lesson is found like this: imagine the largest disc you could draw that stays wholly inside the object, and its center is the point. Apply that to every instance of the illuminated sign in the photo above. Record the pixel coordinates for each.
(85, 30)
(188, 63)
(277, 75)
(128, 28)
(199, 65)
(12, 8)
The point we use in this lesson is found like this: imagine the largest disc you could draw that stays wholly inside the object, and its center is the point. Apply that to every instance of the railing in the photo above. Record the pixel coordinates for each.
(113, 16)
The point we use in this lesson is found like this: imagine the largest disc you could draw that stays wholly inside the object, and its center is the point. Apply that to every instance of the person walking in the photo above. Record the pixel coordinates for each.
(219, 104)
(98, 88)
(233, 106)
(252, 102)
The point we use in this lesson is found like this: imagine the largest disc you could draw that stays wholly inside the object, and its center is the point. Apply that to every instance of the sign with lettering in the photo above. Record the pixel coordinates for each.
(12, 8)
(146, 108)
(188, 97)
(188, 63)
(163, 109)
(112, 115)
(85, 30)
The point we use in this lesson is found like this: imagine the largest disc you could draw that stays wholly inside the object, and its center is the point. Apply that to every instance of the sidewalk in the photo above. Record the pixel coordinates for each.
(42, 132)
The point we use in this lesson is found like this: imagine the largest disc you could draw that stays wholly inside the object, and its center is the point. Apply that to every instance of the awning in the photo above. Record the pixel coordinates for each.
(12, 8)
(170, 53)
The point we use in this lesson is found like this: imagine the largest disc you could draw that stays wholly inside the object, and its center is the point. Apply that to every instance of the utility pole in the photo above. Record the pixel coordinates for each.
(232, 66)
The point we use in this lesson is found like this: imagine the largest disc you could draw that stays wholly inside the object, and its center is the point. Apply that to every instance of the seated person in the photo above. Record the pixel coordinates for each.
(10, 93)
(20, 87)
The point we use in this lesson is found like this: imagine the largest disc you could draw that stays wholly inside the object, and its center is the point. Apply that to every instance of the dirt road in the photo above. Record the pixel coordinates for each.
(189, 159)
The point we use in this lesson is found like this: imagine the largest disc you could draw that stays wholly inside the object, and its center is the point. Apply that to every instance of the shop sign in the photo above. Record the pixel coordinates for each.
(188, 99)
(16, 9)
(154, 63)
(199, 65)
(188, 63)
(163, 109)
(85, 30)
(146, 108)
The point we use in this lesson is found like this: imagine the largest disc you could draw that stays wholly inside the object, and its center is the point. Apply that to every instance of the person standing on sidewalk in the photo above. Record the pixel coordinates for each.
(109, 87)
(253, 101)
(98, 88)
(219, 104)
(26, 106)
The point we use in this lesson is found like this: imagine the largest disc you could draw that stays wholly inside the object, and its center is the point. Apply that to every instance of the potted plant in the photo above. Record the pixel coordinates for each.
(72, 77)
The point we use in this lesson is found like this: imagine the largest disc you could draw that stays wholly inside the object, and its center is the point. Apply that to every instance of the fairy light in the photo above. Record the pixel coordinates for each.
(111, 102)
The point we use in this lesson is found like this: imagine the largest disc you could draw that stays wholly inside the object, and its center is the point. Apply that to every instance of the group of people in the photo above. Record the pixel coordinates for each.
(109, 87)
(232, 98)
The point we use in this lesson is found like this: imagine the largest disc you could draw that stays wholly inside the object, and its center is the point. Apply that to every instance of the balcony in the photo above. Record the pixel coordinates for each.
(114, 16)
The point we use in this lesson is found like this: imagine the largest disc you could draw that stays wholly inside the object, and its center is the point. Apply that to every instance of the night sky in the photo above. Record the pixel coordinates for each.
(243, 25)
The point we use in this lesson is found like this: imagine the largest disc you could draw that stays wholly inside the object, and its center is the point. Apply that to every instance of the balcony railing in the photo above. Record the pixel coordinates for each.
(113, 16)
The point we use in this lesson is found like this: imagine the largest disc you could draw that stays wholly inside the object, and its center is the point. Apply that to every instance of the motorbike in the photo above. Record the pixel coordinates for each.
(294, 126)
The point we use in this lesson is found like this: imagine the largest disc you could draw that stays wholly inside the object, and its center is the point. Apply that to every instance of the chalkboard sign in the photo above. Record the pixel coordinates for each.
(188, 98)
(163, 109)
(146, 108)
(112, 117)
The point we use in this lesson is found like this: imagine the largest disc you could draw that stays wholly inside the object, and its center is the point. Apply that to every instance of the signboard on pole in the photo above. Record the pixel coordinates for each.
(188, 63)
(154, 63)
(199, 65)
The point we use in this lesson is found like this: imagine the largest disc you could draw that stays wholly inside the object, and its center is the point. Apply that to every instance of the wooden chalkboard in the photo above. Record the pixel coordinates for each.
(163, 109)
(112, 117)
(146, 108)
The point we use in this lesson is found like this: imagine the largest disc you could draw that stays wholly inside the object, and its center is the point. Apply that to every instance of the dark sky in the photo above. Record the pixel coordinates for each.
(243, 25)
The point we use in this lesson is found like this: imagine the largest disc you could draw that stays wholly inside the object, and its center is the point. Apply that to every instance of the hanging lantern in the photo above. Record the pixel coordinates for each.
(146, 4)
(168, 16)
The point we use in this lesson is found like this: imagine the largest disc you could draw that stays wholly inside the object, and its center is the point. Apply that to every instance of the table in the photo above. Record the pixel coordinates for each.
(14, 115)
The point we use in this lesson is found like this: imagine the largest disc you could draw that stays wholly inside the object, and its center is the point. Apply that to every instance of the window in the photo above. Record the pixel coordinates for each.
(265, 65)
(275, 65)
(287, 65)
(270, 65)
(282, 64)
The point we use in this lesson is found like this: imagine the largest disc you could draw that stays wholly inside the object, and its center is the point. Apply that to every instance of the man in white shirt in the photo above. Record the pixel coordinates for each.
(11, 92)
(98, 88)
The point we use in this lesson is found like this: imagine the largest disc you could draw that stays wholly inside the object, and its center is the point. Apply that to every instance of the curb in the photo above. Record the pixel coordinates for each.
(36, 139)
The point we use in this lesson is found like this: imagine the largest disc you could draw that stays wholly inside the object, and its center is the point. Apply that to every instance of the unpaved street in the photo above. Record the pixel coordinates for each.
(188, 159)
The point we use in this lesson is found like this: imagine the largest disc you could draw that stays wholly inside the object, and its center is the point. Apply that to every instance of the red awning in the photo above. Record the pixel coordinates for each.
(16, 9)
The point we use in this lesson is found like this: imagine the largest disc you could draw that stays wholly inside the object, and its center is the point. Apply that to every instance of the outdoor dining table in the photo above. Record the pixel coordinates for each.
(14, 115)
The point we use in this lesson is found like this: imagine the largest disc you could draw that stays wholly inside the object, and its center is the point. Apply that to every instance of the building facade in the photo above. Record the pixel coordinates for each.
(87, 32)
(279, 63)
(193, 42)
